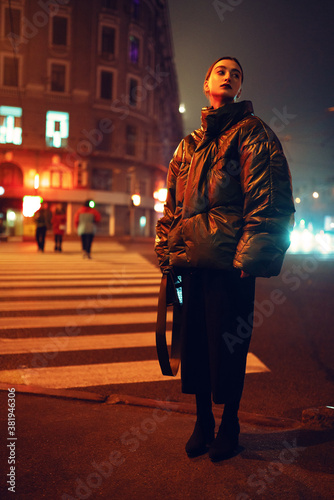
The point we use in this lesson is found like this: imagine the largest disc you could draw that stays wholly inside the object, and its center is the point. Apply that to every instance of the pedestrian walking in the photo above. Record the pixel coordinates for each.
(42, 220)
(226, 221)
(58, 227)
(86, 220)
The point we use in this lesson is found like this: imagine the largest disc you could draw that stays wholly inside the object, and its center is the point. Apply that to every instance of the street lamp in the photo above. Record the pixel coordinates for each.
(160, 196)
(135, 202)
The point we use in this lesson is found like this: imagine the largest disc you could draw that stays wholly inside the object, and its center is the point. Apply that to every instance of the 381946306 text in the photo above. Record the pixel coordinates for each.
(11, 441)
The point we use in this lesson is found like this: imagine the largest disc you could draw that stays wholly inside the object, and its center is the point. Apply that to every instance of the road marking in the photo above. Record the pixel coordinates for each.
(80, 320)
(90, 281)
(116, 274)
(88, 303)
(97, 292)
(64, 377)
(82, 343)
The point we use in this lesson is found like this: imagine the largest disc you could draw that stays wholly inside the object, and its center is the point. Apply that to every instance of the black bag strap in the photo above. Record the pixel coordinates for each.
(169, 364)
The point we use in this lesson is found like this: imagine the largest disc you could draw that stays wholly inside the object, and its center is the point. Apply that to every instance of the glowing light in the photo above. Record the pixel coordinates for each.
(315, 194)
(30, 205)
(136, 199)
(182, 108)
(297, 200)
(160, 195)
(9, 156)
(142, 221)
(324, 243)
(11, 216)
(306, 242)
(92, 204)
(302, 223)
(36, 181)
(57, 128)
(159, 207)
(10, 125)
(55, 160)
(329, 223)
(2, 190)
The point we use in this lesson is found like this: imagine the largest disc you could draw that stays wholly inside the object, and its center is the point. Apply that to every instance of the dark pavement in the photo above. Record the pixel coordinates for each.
(76, 444)
(80, 448)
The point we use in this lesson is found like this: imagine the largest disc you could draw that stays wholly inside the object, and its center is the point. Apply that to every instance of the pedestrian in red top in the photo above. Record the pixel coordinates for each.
(58, 227)
(86, 220)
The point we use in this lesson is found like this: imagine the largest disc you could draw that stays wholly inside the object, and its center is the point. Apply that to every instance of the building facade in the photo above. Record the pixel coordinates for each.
(88, 110)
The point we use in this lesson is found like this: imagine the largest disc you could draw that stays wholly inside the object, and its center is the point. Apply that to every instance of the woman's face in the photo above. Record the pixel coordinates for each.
(224, 83)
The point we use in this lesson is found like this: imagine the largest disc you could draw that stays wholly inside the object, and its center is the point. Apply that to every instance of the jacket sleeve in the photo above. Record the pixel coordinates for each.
(268, 206)
(97, 216)
(164, 224)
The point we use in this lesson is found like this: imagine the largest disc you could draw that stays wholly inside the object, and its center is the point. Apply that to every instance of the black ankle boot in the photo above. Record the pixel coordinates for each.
(226, 442)
(201, 438)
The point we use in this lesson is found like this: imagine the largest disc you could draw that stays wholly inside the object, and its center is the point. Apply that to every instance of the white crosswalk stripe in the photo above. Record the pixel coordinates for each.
(53, 304)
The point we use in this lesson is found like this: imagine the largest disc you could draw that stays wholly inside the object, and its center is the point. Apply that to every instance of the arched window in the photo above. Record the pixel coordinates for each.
(10, 175)
(57, 177)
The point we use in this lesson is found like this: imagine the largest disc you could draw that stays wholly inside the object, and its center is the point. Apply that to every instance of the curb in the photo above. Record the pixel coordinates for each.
(57, 393)
(175, 406)
(189, 408)
(318, 418)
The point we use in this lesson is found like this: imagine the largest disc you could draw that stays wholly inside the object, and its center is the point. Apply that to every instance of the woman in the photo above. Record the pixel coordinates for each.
(58, 227)
(86, 220)
(227, 218)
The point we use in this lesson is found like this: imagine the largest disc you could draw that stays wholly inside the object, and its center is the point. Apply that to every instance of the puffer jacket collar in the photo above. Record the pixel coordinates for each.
(216, 121)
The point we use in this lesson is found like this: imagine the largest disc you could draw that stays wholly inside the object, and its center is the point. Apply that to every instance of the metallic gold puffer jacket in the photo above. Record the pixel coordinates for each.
(229, 201)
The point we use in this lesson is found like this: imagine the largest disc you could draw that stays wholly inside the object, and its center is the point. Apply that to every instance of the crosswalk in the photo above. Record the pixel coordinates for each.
(68, 322)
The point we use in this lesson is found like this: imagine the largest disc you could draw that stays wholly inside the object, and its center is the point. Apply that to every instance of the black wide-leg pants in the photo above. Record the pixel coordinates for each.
(217, 316)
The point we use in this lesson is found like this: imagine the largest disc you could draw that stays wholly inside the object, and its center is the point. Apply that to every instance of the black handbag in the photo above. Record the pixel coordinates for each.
(170, 295)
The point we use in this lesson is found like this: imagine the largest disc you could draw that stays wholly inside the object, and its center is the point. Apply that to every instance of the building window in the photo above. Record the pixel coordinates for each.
(134, 49)
(103, 139)
(59, 30)
(10, 125)
(57, 129)
(81, 173)
(134, 89)
(58, 77)
(10, 175)
(12, 23)
(56, 178)
(143, 187)
(102, 179)
(135, 9)
(131, 138)
(106, 85)
(108, 42)
(129, 182)
(10, 76)
(109, 4)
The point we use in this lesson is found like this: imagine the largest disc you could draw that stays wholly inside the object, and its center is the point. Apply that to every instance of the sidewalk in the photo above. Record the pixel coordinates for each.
(120, 449)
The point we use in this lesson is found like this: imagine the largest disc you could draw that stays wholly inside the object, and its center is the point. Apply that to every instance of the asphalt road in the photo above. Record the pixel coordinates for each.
(293, 334)
(86, 325)
(293, 337)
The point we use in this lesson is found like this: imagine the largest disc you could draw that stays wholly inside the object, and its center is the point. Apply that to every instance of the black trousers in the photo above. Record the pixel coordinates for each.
(40, 236)
(87, 240)
(217, 309)
(58, 241)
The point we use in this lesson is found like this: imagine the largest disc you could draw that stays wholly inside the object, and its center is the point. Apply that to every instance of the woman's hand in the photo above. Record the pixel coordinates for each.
(244, 275)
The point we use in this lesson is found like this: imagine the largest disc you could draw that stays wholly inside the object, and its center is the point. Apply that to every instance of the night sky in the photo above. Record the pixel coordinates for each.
(286, 48)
